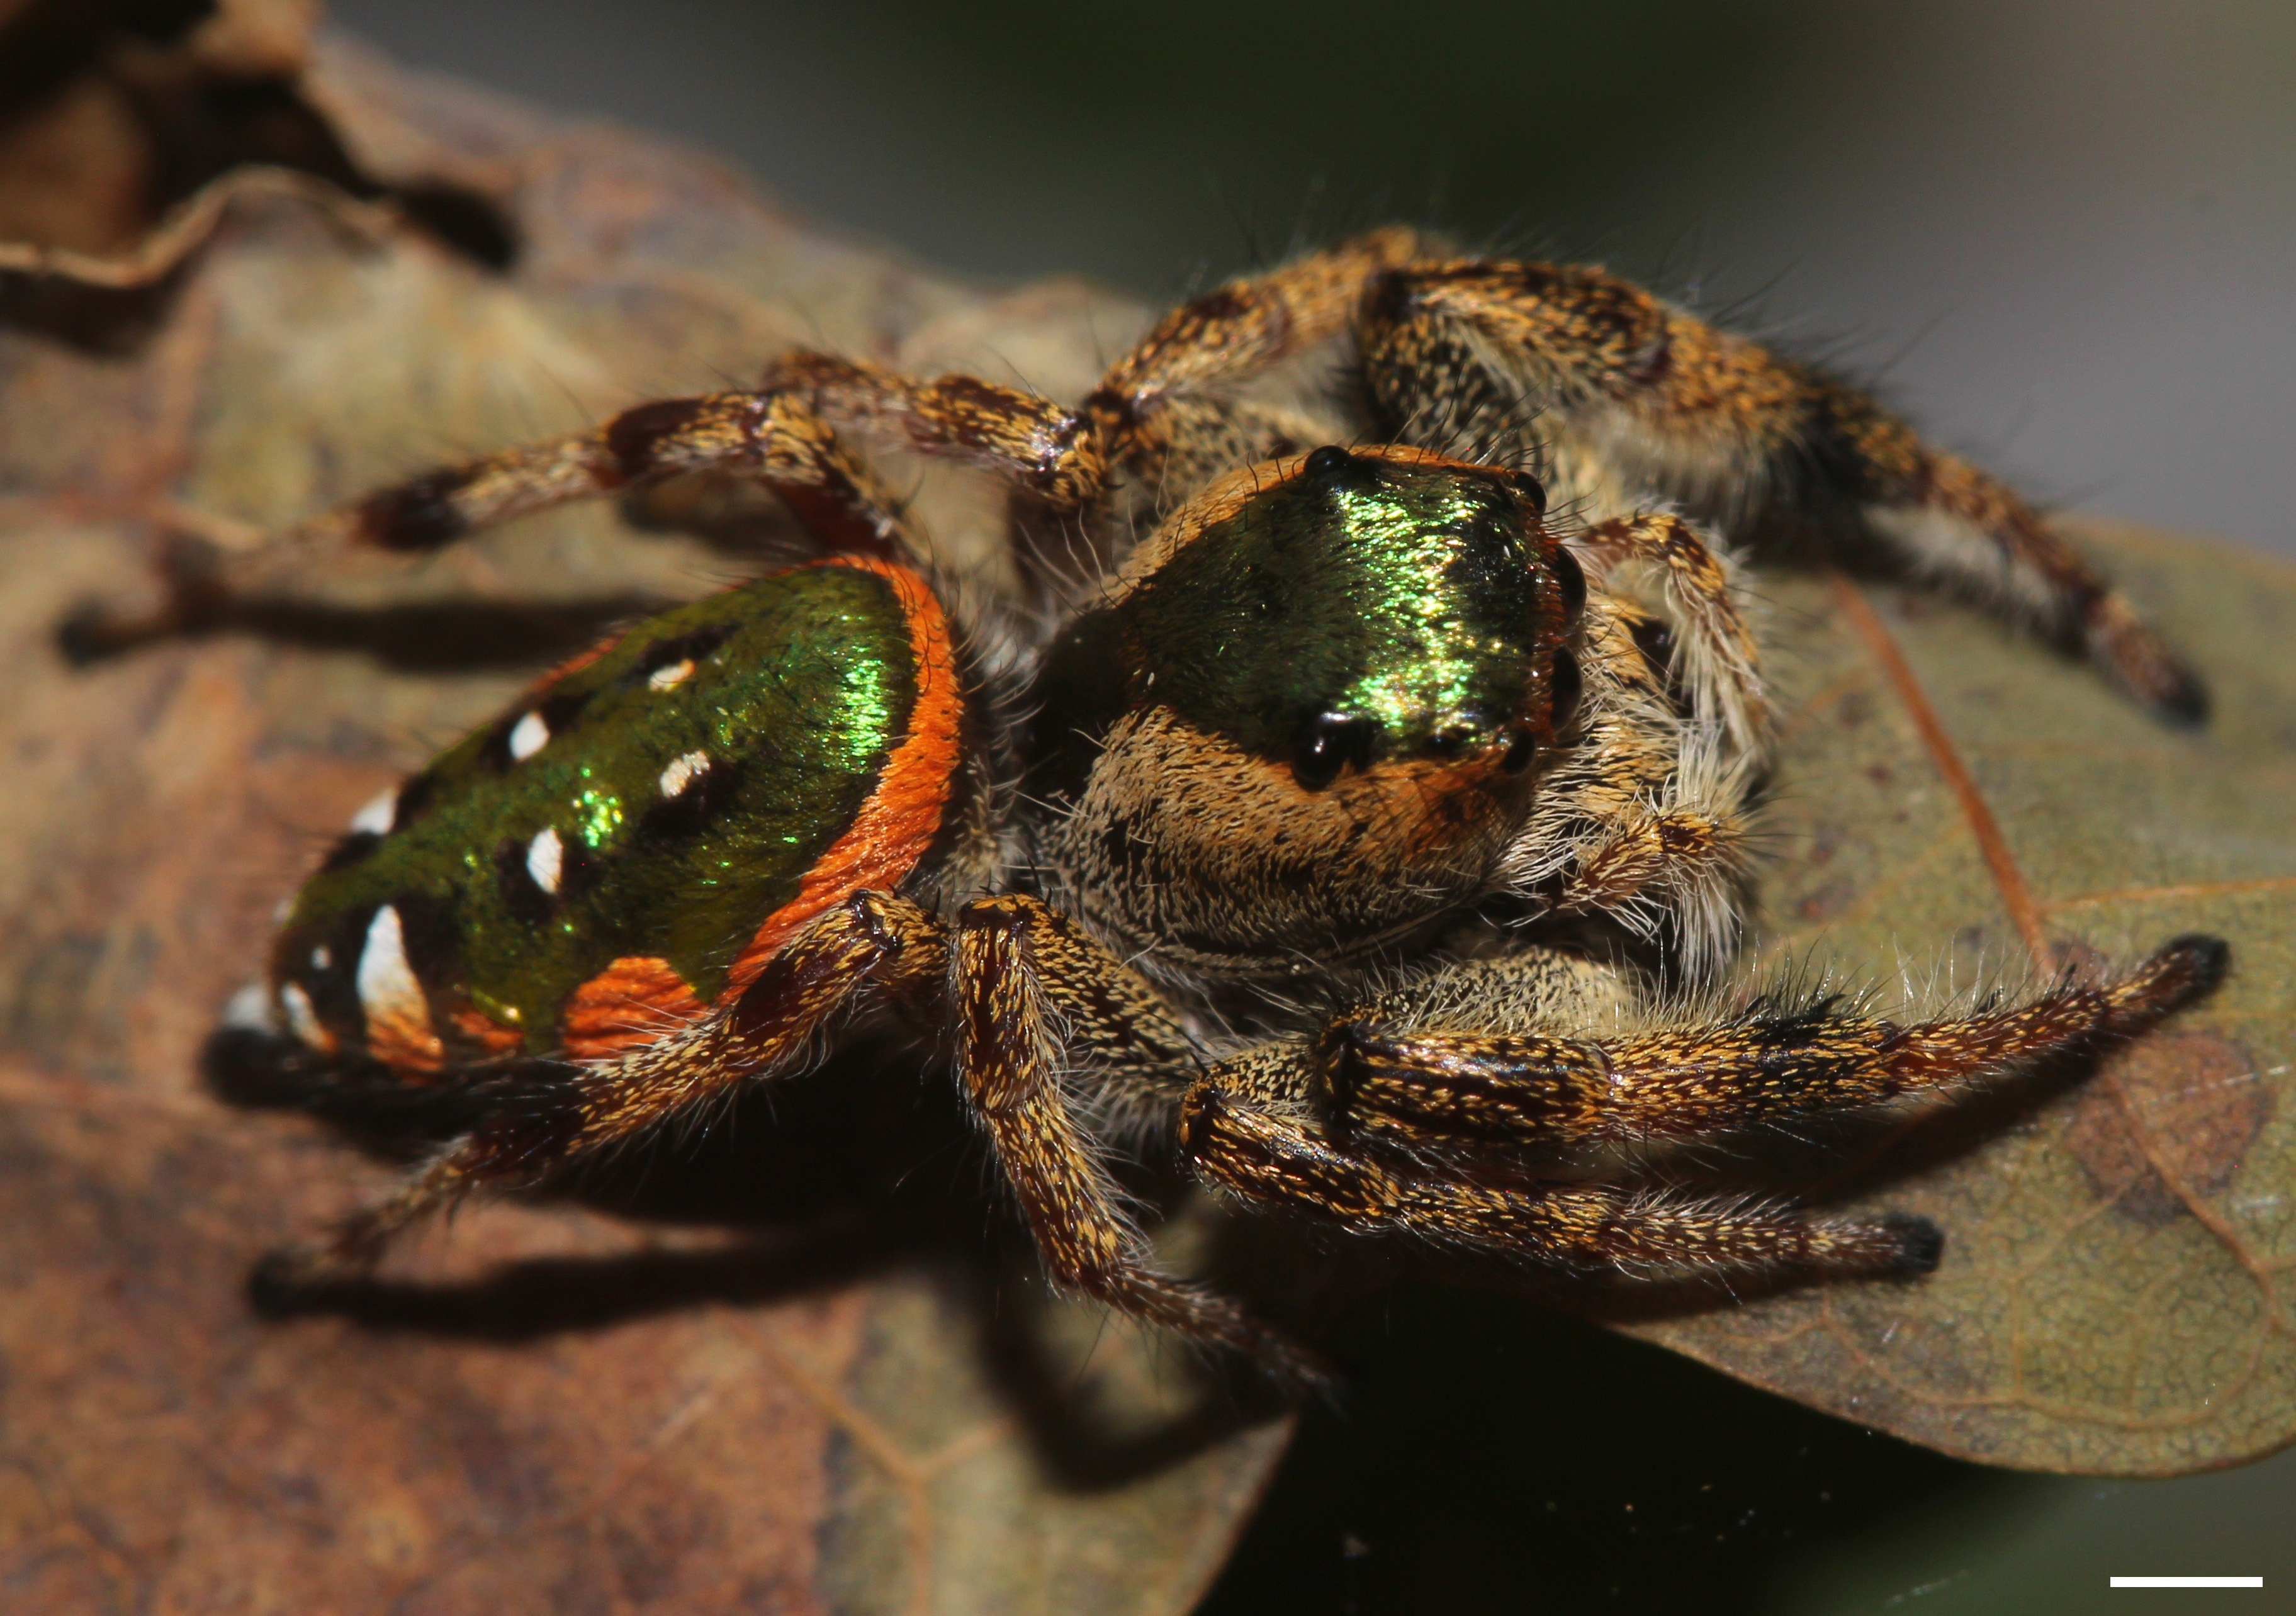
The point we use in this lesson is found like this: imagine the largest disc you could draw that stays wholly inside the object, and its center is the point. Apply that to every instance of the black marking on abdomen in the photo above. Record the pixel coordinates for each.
(348, 851)
(527, 898)
(332, 985)
(693, 809)
(522, 894)
(413, 798)
(556, 713)
(673, 649)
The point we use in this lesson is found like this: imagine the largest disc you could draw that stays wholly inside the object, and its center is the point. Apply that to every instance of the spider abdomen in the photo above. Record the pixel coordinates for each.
(630, 842)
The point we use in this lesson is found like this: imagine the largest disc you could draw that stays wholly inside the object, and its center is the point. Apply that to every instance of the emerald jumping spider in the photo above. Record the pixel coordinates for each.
(1285, 841)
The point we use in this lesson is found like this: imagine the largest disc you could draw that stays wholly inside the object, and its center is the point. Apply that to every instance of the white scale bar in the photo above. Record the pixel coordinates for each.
(2188, 1582)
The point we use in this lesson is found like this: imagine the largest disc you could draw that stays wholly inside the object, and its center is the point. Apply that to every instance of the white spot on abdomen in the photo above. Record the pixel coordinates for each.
(670, 676)
(530, 737)
(545, 858)
(386, 987)
(378, 816)
(683, 772)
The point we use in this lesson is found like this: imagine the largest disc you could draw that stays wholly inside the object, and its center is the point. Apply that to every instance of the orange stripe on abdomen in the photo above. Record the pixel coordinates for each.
(903, 815)
(635, 1000)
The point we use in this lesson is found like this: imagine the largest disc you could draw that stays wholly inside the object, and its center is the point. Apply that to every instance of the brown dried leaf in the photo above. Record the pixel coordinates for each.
(786, 1386)
(111, 114)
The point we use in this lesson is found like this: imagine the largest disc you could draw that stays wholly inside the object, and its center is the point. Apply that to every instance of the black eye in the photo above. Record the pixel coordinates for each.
(1532, 493)
(1458, 738)
(1333, 464)
(1562, 688)
(1520, 750)
(1570, 582)
(1331, 742)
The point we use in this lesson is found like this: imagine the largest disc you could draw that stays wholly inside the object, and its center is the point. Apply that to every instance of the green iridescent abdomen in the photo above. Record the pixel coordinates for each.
(657, 801)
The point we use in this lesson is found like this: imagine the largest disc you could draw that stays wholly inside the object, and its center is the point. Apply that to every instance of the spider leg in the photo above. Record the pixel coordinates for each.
(777, 439)
(553, 1114)
(1643, 819)
(1249, 326)
(1948, 518)
(1609, 389)
(1722, 665)
(1358, 1127)
(1148, 416)
(1022, 972)
(1134, 422)
(1272, 1158)
(1386, 1077)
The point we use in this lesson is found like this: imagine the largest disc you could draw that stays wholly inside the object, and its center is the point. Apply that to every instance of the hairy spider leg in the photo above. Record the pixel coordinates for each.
(1316, 1125)
(1721, 665)
(1276, 1158)
(777, 439)
(1611, 391)
(1642, 819)
(1151, 419)
(1386, 1077)
(1027, 984)
(1134, 420)
(870, 947)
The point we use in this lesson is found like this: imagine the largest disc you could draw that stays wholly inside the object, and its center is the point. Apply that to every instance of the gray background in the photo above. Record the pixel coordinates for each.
(2059, 233)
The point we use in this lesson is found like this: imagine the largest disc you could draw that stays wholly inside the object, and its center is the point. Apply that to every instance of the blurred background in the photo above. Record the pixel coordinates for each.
(2062, 234)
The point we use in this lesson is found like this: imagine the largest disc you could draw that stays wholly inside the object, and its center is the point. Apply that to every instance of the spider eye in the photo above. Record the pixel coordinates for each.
(1331, 742)
(1463, 734)
(1533, 494)
(1570, 580)
(1522, 747)
(1333, 464)
(1564, 686)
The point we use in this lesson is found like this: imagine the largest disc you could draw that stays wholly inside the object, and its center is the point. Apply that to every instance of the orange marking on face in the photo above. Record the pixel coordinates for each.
(635, 1000)
(902, 814)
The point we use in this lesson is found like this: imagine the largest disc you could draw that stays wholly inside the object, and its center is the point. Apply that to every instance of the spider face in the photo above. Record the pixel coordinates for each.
(1336, 705)
(1313, 711)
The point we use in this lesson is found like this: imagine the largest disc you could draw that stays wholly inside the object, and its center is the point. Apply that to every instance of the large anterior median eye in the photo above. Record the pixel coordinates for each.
(1331, 742)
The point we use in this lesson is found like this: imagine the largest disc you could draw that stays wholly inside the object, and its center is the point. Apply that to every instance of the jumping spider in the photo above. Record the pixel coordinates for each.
(1277, 843)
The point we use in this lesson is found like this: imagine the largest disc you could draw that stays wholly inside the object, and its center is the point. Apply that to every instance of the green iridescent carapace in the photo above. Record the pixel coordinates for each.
(680, 785)
(1404, 599)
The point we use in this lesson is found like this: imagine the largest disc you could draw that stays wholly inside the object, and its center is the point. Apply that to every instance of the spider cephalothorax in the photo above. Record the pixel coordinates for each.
(1311, 713)
(1196, 859)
